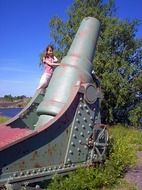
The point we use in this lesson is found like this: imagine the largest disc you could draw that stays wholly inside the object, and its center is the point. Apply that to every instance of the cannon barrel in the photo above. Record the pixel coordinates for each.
(75, 69)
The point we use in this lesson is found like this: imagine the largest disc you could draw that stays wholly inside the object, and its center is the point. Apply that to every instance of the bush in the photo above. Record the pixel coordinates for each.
(3, 119)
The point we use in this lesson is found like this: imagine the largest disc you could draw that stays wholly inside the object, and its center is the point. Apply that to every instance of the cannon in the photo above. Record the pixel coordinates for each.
(60, 130)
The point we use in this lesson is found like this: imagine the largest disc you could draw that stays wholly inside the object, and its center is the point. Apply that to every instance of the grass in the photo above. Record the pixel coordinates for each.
(126, 143)
(3, 119)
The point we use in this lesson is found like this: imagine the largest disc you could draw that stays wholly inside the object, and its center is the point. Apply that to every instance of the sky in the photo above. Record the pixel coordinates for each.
(25, 33)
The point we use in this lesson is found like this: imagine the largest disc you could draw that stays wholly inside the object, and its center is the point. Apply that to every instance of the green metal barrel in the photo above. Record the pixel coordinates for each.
(75, 69)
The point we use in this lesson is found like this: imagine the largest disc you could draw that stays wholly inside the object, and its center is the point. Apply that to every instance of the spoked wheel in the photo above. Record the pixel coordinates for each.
(98, 144)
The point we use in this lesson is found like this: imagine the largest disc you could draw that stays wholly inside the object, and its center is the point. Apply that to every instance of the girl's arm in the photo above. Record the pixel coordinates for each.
(55, 59)
(46, 61)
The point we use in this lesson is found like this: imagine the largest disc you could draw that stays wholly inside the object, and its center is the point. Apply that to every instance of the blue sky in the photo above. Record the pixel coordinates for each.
(24, 33)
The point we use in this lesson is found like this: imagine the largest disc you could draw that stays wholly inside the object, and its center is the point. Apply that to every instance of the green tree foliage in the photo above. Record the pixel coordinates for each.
(118, 60)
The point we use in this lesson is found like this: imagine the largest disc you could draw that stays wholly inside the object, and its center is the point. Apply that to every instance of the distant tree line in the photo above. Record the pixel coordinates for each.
(13, 98)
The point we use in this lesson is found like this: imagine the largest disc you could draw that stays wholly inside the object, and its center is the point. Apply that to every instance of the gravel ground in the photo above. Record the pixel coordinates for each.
(134, 175)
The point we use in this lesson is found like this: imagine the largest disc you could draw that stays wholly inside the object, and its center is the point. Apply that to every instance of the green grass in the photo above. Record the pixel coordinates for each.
(126, 143)
(3, 119)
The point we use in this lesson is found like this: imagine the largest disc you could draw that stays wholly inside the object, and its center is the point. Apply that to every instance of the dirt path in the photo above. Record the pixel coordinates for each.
(134, 175)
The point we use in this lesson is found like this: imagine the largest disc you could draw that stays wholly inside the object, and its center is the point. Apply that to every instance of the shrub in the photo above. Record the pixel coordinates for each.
(3, 119)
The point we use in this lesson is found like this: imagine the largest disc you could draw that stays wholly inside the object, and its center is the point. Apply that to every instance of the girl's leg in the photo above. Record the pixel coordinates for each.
(44, 81)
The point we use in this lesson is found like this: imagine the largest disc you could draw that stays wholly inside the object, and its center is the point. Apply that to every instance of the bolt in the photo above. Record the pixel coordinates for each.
(79, 112)
(87, 111)
(83, 126)
(21, 173)
(80, 106)
(85, 105)
(84, 119)
(74, 135)
(81, 98)
(80, 141)
(72, 144)
(70, 152)
(15, 175)
(77, 120)
(90, 124)
(78, 149)
(81, 134)
(76, 128)
(68, 160)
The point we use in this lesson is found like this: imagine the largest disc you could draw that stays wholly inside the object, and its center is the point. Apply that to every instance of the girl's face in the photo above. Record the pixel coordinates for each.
(50, 51)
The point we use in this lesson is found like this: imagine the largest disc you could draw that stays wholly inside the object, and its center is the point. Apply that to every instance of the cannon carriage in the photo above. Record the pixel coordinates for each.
(61, 130)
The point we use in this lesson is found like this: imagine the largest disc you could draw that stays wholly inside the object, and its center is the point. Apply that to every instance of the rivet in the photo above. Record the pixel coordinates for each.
(77, 120)
(45, 169)
(85, 146)
(72, 143)
(85, 106)
(83, 126)
(80, 141)
(60, 167)
(84, 119)
(37, 187)
(80, 106)
(79, 112)
(90, 124)
(87, 111)
(21, 173)
(81, 134)
(91, 118)
(88, 132)
(55, 167)
(33, 171)
(74, 135)
(70, 152)
(86, 139)
(78, 149)
(68, 160)
(81, 98)
(76, 128)
(15, 175)
(28, 172)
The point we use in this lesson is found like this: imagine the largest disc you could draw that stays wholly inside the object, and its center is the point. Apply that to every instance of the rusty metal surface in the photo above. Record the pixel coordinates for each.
(9, 135)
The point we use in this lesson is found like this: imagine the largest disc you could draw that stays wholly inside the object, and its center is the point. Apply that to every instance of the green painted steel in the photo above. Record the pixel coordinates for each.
(64, 123)
(28, 116)
(75, 68)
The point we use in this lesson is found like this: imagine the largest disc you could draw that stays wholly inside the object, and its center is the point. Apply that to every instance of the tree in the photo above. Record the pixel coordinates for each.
(118, 60)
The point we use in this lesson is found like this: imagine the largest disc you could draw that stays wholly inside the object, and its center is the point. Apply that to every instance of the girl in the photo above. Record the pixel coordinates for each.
(49, 62)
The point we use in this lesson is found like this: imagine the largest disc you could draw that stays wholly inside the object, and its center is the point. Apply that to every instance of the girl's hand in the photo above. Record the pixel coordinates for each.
(56, 64)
